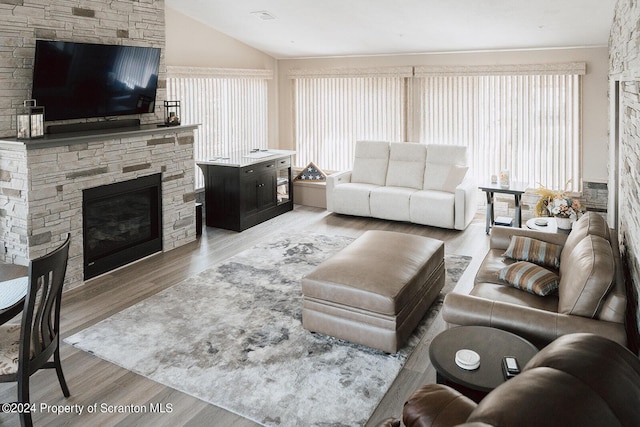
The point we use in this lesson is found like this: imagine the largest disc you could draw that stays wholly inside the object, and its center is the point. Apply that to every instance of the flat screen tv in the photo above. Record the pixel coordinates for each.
(81, 80)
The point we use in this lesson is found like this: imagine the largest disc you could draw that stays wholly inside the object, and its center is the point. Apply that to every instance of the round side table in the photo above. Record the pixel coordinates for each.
(491, 344)
(551, 227)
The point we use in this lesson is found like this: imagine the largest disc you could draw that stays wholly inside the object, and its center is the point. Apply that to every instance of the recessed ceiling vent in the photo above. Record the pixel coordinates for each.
(264, 15)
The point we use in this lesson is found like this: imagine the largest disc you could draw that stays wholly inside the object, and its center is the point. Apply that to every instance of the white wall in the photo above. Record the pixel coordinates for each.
(595, 134)
(190, 43)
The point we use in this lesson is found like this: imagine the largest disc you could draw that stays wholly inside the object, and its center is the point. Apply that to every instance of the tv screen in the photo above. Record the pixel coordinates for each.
(82, 80)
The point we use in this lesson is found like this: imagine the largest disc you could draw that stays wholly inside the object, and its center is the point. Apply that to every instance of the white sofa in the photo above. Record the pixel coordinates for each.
(405, 181)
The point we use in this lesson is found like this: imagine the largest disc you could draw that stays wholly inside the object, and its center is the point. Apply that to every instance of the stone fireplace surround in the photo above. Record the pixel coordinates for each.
(41, 184)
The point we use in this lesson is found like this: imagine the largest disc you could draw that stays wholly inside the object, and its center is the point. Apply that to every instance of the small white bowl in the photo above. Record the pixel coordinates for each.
(541, 222)
(467, 359)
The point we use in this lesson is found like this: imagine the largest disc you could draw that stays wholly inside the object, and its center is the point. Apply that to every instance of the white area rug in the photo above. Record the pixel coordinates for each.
(232, 336)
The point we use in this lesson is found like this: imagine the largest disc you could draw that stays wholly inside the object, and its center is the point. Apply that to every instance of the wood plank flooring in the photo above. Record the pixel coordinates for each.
(118, 393)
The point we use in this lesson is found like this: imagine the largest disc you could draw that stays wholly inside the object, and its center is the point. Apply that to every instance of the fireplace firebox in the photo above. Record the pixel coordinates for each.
(122, 223)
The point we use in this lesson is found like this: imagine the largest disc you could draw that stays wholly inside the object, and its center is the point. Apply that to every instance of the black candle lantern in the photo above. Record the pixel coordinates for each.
(30, 120)
(171, 113)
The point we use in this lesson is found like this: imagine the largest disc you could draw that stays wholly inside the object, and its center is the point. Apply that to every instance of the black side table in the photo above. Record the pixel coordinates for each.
(490, 343)
(515, 188)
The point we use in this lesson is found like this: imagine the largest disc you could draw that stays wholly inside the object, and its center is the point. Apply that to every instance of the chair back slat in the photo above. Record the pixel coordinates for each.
(44, 317)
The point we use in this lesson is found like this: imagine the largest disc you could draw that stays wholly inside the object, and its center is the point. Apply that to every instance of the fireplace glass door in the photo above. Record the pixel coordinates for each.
(121, 223)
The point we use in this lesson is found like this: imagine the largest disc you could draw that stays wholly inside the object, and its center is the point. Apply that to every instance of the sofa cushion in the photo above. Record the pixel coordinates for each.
(445, 168)
(590, 223)
(586, 275)
(370, 162)
(488, 285)
(352, 198)
(435, 208)
(510, 296)
(391, 203)
(447, 154)
(406, 165)
(443, 177)
(530, 277)
(523, 248)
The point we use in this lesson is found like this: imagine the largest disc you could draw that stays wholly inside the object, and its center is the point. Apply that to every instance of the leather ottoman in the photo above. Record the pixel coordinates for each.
(376, 290)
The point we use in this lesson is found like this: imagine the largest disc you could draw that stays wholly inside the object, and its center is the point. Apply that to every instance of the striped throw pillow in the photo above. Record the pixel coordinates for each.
(536, 251)
(530, 277)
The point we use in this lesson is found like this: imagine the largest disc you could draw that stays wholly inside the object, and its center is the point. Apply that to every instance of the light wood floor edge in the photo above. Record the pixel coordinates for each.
(93, 381)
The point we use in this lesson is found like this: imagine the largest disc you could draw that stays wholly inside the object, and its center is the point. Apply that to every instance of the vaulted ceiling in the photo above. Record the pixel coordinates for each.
(318, 28)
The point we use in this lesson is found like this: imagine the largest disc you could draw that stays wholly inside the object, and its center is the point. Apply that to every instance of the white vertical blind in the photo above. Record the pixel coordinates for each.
(332, 111)
(525, 118)
(527, 123)
(230, 108)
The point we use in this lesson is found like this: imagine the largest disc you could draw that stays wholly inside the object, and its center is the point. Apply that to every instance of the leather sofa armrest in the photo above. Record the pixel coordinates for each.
(466, 203)
(501, 236)
(436, 405)
(540, 327)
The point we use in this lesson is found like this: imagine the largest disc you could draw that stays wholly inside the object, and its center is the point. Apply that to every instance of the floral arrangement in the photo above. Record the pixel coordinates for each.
(566, 208)
(558, 204)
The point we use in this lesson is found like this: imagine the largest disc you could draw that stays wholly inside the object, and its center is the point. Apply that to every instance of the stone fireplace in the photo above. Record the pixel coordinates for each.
(42, 184)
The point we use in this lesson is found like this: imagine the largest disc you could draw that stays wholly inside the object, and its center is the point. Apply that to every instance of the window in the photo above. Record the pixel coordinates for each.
(229, 104)
(526, 119)
(335, 108)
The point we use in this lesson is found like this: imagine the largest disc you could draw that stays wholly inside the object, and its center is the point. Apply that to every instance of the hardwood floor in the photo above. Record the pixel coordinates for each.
(94, 381)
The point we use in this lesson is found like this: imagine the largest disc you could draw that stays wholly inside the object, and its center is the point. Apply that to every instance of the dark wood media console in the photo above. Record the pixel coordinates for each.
(246, 189)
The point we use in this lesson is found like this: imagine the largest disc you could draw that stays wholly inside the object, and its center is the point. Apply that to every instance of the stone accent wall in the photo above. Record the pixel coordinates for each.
(44, 187)
(13, 205)
(41, 188)
(122, 22)
(624, 58)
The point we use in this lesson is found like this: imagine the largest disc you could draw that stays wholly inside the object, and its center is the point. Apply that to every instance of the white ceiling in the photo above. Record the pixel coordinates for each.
(317, 28)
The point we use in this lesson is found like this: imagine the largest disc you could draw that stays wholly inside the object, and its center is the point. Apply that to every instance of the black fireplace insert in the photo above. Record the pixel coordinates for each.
(122, 223)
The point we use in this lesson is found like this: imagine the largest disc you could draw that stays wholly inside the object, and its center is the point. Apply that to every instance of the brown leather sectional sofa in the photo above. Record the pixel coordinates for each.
(578, 380)
(591, 296)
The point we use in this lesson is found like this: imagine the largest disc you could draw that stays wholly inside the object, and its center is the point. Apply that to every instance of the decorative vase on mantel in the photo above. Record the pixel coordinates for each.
(564, 223)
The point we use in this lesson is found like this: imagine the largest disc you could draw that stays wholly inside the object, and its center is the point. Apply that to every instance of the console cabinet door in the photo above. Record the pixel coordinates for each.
(266, 190)
(258, 193)
(258, 186)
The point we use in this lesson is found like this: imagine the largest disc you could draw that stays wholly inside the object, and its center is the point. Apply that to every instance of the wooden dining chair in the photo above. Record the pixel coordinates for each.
(29, 346)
